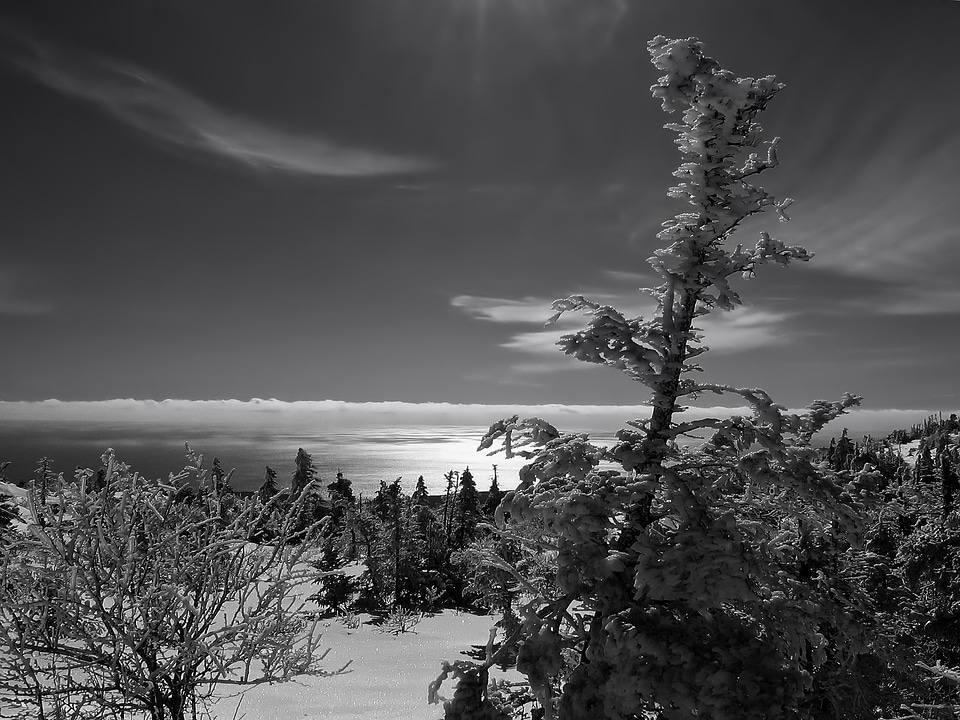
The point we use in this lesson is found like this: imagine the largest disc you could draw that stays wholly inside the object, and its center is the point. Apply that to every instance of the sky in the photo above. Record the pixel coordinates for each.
(377, 200)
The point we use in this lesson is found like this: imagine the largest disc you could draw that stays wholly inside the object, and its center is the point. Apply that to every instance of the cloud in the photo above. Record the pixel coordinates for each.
(166, 112)
(319, 416)
(893, 221)
(528, 310)
(303, 415)
(746, 328)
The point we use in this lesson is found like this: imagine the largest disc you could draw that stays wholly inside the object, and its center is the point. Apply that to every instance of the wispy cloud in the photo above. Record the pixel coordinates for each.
(744, 329)
(527, 310)
(892, 220)
(172, 115)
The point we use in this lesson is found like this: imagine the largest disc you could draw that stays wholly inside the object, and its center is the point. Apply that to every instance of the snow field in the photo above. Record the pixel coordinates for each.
(387, 679)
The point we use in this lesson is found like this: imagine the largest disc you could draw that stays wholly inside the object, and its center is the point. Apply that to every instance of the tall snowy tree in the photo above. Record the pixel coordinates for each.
(677, 589)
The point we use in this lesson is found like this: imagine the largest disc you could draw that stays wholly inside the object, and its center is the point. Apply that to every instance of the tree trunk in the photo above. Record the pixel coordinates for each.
(662, 417)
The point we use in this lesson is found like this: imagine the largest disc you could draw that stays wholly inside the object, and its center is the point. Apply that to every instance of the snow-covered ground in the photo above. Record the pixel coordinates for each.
(909, 452)
(387, 679)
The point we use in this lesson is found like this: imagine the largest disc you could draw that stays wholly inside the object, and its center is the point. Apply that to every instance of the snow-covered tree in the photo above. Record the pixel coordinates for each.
(420, 493)
(126, 600)
(467, 513)
(494, 496)
(269, 487)
(306, 497)
(680, 588)
(341, 496)
(304, 473)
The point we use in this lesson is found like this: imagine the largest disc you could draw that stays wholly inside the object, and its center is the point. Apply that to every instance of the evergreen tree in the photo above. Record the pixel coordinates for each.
(449, 503)
(843, 453)
(420, 493)
(268, 488)
(265, 527)
(305, 482)
(220, 479)
(494, 496)
(682, 569)
(304, 474)
(391, 502)
(341, 490)
(467, 510)
(340, 533)
(428, 535)
(45, 481)
(366, 530)
(925, 462)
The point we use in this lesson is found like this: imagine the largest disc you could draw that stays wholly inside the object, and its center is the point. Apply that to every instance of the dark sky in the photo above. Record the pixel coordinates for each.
(376, 200)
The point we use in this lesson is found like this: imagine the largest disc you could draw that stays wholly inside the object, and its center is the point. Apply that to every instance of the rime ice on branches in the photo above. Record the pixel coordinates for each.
(679, 588)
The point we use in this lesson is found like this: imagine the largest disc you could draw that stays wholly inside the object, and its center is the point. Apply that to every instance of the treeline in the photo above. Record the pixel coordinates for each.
(907, 574)
(409, 546)
(401, 550)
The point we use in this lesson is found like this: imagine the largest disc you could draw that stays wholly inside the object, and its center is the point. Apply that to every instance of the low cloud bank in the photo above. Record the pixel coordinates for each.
(338, 414)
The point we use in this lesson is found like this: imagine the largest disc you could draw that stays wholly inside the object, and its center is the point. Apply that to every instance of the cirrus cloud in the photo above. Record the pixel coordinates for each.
(166, 112)
(746, 328)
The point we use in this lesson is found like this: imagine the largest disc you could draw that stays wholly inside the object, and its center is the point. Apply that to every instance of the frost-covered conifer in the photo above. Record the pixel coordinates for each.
(680, 590)
(467, 510)
(268, 488)
(304, 474)
(494, 496)
(420, 493)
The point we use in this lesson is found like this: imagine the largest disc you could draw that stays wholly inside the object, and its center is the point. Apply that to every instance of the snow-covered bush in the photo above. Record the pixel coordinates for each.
(706, 582)
(127, 597)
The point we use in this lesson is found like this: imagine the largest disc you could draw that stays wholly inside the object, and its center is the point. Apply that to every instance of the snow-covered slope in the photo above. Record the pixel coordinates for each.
(387, 679)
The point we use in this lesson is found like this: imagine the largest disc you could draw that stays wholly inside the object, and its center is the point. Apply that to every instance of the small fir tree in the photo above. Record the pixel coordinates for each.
(467, 510)
(494, 496)
(304, 474)
(341, 494)
(268, 488)
(305, 482)
(420, 493)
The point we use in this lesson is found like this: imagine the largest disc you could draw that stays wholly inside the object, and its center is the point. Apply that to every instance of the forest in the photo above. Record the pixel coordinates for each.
(748, 575)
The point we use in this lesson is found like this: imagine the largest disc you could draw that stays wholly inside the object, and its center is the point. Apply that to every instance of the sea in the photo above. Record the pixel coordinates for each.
(368, 443)
(366, 456)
